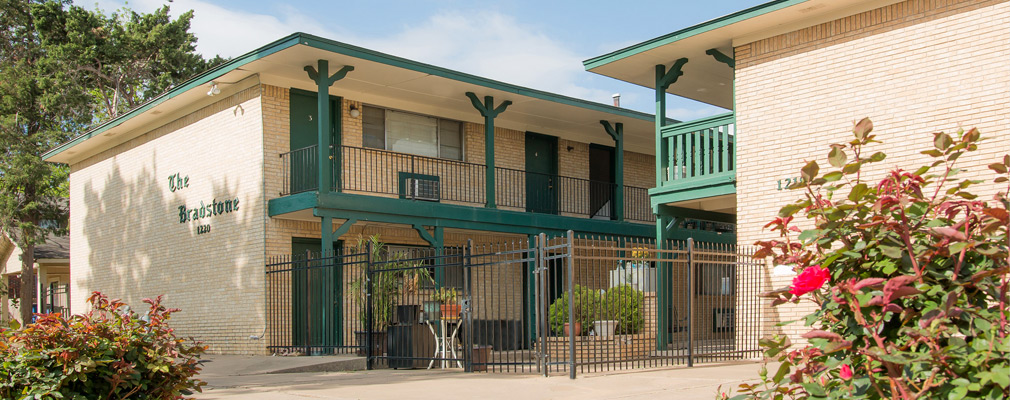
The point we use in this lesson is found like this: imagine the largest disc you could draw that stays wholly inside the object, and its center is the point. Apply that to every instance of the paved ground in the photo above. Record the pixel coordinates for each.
(249, 378)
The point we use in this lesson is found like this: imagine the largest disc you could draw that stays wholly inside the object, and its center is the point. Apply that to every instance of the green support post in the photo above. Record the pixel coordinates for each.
(489, 112)
(323, 82)
(664, 79)
(664, 285)
(436, 241)
(616, 132)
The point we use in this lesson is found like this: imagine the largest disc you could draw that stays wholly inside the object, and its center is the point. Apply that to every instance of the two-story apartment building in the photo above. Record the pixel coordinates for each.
(796, 75)
(189, 194)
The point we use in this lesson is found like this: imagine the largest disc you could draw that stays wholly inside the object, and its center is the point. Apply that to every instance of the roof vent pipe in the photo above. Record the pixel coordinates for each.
(617, 99)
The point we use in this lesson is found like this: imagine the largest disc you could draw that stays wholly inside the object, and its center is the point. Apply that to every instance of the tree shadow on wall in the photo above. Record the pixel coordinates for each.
(138, 248)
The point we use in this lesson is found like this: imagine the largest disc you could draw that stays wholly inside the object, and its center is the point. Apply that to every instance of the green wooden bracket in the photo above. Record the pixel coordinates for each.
(666, 78)
(616, 132)
(342, 230)
(489, 112)
(314, 74)
(720, 57)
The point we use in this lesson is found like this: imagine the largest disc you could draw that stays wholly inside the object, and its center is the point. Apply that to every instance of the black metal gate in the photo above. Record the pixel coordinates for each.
(547, 305)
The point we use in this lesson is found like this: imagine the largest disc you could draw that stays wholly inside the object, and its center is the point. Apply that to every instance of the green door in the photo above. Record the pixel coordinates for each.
(303, 138)
(541, 173)
(316, 298)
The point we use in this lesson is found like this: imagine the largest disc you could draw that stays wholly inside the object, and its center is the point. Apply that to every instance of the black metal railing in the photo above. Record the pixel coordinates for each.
(555, 304)
(411, 176)
(56, 299)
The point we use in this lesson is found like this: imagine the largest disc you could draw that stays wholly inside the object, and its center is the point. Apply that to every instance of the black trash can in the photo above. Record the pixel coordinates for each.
(400, 346)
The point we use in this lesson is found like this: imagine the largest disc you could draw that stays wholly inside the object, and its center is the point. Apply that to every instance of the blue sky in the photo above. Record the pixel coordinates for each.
(538, 44)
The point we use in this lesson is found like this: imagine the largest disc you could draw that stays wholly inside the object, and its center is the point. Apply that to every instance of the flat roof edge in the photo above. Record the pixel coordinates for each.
(193, 82)
(690, 31)
(388, 59)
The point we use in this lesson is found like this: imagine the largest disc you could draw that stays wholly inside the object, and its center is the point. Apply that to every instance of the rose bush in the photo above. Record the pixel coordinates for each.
(909, 275)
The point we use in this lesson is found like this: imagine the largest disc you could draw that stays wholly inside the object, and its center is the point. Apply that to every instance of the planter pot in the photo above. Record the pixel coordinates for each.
(450, 311)
(605, 327)
(378, 342)
(578, 329)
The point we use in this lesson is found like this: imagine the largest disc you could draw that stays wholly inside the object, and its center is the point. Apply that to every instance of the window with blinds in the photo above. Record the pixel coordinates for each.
(411, 133)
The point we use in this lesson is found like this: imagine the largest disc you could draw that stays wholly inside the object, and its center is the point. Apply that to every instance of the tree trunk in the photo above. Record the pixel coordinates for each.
(27, 283)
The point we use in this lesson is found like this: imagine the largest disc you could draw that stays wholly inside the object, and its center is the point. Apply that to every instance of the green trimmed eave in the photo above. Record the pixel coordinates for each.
(694, 189)
(411, 212)
(690, 31)
(197, 81)
(372, 55)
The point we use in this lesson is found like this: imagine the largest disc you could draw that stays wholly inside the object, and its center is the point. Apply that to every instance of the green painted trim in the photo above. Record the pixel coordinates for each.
(489, 112)
(344, 227)
(665, 79)
(680, 212)
(382, 209)
(715, 53)
(292, 203)
(685, 192)
(196, 81)
(689, 126)
(685, 33)
(616, 132)
(372, 55)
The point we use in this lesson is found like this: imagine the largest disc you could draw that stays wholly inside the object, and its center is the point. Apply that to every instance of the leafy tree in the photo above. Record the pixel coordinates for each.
(909, 275)
(62, 68)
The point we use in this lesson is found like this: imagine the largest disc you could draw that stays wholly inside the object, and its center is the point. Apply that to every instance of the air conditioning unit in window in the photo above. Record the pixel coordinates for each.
(423, 189)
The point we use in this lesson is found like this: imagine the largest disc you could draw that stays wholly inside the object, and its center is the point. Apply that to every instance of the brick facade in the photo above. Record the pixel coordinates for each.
(914, 67)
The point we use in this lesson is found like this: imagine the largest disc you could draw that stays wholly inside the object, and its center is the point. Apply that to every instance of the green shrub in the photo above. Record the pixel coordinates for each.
(586, 303)
(910, 276)
(624, 304)
(110, 352)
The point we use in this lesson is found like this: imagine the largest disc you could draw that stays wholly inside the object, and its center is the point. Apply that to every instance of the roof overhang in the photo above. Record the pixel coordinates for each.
(705, 79)
(377, 78)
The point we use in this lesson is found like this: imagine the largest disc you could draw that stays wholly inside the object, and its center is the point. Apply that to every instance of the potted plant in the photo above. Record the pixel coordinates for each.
(623, 306)
(386, 287)
(586, 302)
(450, 307)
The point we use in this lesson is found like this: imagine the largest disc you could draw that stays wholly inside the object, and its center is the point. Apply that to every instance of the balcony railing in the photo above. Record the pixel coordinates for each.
(699, 150)
(382, 172)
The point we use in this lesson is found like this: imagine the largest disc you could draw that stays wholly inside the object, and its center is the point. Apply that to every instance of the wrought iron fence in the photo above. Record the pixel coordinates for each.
(382, 172)
(557, 304)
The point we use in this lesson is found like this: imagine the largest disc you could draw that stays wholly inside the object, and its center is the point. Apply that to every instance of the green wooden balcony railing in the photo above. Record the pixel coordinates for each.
(698, 152)
(382, 172)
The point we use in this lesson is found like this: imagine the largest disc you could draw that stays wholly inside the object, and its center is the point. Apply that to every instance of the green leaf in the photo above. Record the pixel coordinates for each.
(789, 210)
(890, 251)
(814, 389)
(942, 141)
(878, 157)
(957, 393)
(998, 167)
(832, 176)
(837, 157)
(862, 128)
(1001, 375)
(851, 168)
(857, 192)
(783, 370)
(809, 171)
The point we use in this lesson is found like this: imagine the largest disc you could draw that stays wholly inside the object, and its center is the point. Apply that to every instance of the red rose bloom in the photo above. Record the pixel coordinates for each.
(812, 278)
(845, 372)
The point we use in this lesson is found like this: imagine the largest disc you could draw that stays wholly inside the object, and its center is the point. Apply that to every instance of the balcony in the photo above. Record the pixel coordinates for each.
(698, 160)
(398, 175)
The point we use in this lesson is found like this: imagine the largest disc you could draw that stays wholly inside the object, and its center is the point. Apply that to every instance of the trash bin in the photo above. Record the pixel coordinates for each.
(481, 356)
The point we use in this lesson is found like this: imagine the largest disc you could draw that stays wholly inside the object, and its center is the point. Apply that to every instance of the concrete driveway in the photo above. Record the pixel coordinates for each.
(230, 380)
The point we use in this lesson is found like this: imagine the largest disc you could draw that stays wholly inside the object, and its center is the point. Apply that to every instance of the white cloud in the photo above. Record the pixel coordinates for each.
(487, 44)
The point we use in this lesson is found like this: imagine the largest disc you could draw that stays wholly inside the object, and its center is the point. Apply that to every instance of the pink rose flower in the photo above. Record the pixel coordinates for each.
(812, 278)
(845, 372)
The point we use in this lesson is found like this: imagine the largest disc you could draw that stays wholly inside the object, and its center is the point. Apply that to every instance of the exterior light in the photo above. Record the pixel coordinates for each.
(214, 90)
(355, 112)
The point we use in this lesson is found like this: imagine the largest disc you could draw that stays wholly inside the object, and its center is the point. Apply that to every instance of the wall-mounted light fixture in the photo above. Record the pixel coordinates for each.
(214, 90)
(570, 148)
(355, 112)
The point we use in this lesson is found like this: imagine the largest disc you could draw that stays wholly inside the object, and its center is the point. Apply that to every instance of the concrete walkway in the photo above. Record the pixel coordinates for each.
(254, 378)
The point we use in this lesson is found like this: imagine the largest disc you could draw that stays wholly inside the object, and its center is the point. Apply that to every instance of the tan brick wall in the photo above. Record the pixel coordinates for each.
(128, 241)
(914, 68)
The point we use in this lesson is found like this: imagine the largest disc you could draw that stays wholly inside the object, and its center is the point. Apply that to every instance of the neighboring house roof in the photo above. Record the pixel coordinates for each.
(705, 79)
(55, 248)
(281, 63)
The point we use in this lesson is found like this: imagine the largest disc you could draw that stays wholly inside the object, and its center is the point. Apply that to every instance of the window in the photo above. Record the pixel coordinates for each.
(452, 265)
(411, 133)
(717, 280)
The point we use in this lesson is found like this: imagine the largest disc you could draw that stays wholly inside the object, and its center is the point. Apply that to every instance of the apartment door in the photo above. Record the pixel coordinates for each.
(304, 155)
(316, 298)
(541, 173)
(601, 182)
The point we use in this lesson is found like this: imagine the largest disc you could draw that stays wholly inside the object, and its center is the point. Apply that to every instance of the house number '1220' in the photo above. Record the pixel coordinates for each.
(202, 229)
